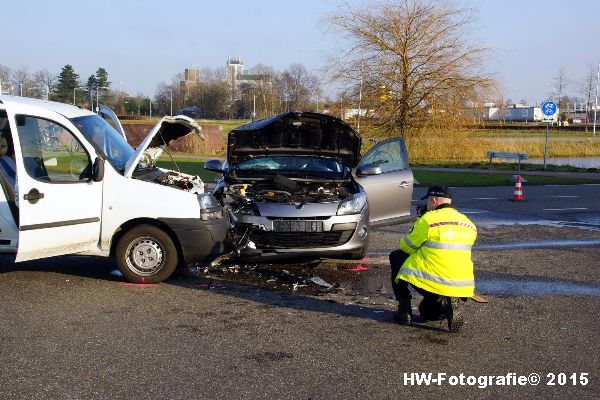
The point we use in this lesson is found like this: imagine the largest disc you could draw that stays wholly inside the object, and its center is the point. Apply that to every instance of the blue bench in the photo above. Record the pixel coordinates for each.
(514, 156)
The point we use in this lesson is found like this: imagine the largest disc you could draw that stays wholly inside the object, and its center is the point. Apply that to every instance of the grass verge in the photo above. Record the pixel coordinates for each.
(426, 178)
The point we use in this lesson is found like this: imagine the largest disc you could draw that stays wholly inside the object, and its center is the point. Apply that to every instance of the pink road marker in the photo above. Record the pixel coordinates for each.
(138, 284)
(358, 268)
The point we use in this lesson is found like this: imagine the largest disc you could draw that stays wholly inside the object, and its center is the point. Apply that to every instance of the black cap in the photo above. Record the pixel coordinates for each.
(437, 191)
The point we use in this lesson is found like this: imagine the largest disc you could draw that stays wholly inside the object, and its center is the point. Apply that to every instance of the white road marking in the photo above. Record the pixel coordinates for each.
(566, 197)
(564, 209)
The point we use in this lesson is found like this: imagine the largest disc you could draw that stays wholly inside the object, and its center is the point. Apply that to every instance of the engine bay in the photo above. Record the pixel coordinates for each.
(283, 190)
(170, 178)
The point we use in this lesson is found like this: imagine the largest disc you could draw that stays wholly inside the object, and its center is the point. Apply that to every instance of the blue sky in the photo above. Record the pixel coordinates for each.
(142, 43)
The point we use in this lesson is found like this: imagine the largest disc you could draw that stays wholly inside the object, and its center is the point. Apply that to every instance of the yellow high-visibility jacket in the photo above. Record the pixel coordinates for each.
(439, 244)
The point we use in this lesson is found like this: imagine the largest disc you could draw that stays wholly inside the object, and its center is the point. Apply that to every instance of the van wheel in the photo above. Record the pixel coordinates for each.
(146, 254)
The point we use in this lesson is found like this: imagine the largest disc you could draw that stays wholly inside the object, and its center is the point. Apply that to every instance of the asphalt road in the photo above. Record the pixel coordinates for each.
(71, 329)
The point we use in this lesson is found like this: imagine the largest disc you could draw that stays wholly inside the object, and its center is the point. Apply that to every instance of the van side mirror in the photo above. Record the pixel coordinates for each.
(368, 169)
(214, 165)
(98, 170)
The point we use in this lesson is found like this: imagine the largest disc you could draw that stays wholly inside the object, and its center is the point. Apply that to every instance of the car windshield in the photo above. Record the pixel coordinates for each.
(106, 139)
(291, 165)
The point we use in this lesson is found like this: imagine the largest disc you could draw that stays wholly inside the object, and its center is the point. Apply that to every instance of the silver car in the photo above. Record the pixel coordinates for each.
(296, 186)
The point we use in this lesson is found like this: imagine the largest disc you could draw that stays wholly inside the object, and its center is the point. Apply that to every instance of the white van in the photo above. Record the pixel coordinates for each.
(72, 184)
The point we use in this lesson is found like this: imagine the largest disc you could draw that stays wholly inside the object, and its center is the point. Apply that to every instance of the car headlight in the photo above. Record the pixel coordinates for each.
(353, 204)
(209, 207)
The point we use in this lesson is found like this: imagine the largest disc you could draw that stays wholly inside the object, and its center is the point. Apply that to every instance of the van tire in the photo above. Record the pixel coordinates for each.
(146, 254)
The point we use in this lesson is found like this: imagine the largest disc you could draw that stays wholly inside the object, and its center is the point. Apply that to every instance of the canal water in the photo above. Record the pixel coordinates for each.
(577, 162)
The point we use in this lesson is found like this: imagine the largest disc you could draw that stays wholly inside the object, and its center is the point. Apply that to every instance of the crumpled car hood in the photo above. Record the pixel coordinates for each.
(167, 130)
(295, 133)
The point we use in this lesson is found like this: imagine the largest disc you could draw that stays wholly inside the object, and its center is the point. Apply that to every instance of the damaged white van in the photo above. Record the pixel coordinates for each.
(72, 184)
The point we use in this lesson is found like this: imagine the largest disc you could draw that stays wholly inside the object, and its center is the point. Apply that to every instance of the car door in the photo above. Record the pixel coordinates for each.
(59, 204)
(389, 193)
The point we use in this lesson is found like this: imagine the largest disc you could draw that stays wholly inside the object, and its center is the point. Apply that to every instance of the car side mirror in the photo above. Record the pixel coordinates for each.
(214, 165)
(98, 170)
(368, 169)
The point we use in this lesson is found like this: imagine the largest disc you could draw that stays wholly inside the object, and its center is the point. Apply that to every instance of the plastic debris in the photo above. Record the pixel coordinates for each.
(318, 281)
(296, 286)
(358, 268)
(208, 285)
(116, 272)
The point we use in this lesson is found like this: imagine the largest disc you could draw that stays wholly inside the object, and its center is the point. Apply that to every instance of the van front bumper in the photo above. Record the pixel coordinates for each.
(200, 240)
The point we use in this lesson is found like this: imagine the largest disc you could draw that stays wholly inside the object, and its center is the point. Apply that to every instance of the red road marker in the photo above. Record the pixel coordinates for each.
(358, 268)
(138, 284)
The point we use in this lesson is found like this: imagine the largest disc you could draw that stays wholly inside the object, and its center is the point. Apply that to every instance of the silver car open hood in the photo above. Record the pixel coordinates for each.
(295, 133)
(167, 130)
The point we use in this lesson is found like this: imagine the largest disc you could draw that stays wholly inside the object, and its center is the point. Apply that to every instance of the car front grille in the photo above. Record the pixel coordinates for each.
(298, 240)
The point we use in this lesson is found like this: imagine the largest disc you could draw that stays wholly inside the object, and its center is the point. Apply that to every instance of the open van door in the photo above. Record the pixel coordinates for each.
(385, 175)
(59, 203)
(109, 116)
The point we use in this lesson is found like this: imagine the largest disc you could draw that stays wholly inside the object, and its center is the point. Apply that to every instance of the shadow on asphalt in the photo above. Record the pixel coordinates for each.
(275, 298)
(101, 268)
(82, 266)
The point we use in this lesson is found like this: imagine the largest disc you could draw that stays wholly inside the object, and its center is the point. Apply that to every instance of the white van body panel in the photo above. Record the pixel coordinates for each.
(67, 219)
(127, 199)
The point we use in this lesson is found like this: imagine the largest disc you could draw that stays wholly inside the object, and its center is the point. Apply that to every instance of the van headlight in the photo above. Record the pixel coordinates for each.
(209, 207)
(353, 204)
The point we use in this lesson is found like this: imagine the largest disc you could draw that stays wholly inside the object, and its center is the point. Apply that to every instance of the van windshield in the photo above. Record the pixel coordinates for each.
(105, 139)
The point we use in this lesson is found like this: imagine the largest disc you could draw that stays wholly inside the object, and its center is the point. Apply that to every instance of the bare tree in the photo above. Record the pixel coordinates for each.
(44, 83)
(296, 87)
(5, 77)
(587, 88)
(561, 82)
(415, 59)
(23, 82)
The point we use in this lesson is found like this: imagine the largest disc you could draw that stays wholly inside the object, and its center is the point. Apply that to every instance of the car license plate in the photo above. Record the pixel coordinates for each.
(298, 226)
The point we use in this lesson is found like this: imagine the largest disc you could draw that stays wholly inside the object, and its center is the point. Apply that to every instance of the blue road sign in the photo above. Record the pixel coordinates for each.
(549, 108)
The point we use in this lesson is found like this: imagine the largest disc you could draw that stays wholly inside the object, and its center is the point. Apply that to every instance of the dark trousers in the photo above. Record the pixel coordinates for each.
(431, 306)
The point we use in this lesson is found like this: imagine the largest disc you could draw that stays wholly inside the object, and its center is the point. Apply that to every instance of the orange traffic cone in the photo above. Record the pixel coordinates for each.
(518, 194)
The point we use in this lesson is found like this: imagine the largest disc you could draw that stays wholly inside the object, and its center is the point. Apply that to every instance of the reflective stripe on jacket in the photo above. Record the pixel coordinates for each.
(439, 244)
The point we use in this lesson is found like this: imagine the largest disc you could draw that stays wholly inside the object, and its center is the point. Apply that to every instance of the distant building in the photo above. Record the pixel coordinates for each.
(191, 80)
(237, 78)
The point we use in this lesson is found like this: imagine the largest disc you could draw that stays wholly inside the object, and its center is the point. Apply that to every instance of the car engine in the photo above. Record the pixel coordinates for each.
(242, 196)
(170, 178)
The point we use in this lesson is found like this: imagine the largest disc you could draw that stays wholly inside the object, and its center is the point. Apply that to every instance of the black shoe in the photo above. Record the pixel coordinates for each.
(404, 314)
(453, 313)
(430, 309)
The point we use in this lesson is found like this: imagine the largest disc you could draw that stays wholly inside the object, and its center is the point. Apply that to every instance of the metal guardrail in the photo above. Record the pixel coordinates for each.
(499, 154)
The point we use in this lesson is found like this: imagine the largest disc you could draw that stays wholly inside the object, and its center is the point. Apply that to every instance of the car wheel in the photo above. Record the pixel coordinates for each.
(146, 254)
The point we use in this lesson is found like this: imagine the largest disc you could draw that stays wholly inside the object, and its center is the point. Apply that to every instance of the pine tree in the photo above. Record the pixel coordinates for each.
(68, 80)
(102, 78)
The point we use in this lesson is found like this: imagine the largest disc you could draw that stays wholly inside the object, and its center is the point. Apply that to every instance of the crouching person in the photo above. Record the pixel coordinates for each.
(435, 259)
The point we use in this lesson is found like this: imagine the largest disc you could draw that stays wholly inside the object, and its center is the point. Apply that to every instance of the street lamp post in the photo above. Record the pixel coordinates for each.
(98, 97)
(21, 89)
(150, 101)
(75, 88)
(596, 105)
(171, 92)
